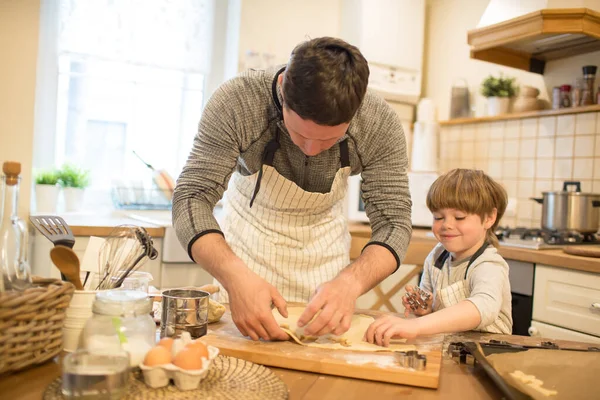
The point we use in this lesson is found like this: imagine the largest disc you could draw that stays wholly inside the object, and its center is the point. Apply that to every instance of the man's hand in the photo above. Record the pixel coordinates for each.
(250, 299)
(388, 327)
(331, 306)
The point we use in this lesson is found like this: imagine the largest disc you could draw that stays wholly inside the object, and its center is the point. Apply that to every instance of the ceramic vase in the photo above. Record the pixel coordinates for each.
(497, 106)
(46, 198)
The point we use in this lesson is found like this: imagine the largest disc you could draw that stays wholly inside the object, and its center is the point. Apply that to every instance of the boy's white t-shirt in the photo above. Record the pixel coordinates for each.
(487, 281)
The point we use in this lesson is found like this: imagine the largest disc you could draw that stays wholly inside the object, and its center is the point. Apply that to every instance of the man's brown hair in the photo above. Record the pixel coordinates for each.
(325, 81)
(471, 191)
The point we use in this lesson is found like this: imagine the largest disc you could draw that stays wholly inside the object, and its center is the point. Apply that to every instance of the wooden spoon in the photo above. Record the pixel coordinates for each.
(67, 262)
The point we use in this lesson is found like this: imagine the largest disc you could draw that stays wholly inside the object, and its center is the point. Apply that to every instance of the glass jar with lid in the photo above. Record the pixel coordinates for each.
(121, 320)
(587, 94)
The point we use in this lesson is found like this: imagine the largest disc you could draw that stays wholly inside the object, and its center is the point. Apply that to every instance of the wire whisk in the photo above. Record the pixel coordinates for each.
(124, 251)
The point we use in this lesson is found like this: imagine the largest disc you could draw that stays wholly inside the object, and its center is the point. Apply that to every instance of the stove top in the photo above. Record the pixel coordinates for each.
(540, 239)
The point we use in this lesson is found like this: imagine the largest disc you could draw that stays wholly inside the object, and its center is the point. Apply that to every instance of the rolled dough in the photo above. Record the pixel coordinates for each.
(351, 340)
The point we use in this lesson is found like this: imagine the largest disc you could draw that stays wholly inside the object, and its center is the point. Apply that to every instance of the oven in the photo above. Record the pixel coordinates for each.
(566, 302)
(521, 275)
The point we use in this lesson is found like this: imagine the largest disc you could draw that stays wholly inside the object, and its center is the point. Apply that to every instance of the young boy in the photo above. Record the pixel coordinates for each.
(466, 276)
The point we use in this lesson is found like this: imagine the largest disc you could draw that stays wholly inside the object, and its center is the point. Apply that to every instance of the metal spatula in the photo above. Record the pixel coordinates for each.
(55, 229)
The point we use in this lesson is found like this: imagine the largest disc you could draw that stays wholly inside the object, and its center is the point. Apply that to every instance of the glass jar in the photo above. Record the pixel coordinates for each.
(565, 96)
(556, 98)
(587, 94)
(576, 93)
(121, 320)
(136, 280)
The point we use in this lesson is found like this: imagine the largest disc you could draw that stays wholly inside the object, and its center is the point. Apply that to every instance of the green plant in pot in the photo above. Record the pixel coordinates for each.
(74, 180)
(498, 91)
(46, 190)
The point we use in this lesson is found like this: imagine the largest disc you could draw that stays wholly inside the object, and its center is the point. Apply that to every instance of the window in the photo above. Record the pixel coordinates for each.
(117, 77)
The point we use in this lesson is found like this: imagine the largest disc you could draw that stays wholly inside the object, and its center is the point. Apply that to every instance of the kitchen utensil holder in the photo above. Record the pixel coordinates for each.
(31, 323)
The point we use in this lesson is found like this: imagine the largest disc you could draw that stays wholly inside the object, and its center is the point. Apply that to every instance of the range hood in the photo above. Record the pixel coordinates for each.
(528, 41)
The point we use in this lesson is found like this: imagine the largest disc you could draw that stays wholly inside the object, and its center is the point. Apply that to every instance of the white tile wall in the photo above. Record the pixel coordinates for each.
(565, 125)
(547, 127)
(497, 130)
(528, 156)
(585, 124)
(564, 147)
(583, 168)
(511, 148)
(544, 169)
(513, 129)
(545, 147)
(584, 146)
(563, 168)
(526, 168)
(527, 148)
(529, 127)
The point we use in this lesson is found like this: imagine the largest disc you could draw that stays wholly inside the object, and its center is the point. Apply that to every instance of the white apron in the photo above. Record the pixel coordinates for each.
(456, 292)
(459, 291)
(294, 239)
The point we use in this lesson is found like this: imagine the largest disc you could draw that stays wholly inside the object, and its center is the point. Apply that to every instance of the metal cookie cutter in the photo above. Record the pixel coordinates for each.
(411, 359)
(418, 299)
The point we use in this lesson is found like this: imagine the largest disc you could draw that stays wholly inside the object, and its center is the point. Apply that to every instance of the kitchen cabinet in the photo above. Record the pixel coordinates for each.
(565, 299)
(529, 41)
(542, 330)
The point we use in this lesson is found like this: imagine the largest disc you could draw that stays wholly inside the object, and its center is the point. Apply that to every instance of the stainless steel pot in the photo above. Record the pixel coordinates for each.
(570, 210)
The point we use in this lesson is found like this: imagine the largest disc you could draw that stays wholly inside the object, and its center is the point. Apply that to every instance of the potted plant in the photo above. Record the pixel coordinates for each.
(74, 180)
(46, 190)
(498, 92)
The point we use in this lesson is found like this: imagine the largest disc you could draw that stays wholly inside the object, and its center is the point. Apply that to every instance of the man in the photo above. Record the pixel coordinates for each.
(291, 136)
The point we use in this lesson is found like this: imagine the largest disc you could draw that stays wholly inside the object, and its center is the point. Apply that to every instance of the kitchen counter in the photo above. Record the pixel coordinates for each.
(456, 381)
(421, 245)
(85, 224)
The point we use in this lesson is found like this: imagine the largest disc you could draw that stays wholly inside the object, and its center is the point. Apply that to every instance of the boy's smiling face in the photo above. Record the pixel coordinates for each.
(461, 233)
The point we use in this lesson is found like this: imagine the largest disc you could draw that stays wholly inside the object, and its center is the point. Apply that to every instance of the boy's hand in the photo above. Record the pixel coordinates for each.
(417, 301)
(389, 327)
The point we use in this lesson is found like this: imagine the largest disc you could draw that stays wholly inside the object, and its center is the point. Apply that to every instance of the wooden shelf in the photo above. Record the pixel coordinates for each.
(530, 40)
(529, 114)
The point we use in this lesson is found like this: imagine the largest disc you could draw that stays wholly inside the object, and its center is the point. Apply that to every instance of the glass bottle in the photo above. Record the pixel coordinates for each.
(15, 269)
(587, 94)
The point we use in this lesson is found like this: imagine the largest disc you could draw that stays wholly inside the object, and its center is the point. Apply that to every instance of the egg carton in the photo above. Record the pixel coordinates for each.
(160, 375)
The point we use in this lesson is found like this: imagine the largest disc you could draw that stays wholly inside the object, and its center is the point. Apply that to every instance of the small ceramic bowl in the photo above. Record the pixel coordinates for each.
(528, 91)
(160, 375)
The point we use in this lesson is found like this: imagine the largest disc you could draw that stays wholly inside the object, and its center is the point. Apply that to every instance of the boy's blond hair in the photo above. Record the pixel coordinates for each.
(471, 191)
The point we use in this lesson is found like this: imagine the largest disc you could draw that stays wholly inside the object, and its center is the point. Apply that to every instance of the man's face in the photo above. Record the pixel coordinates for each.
(309, 136)
(312, 138)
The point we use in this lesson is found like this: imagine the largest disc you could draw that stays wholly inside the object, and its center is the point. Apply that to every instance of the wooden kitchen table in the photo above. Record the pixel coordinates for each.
(456, 381)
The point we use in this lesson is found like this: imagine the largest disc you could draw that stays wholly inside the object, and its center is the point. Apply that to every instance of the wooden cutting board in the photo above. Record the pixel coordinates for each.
(374, 366)
(584, 251)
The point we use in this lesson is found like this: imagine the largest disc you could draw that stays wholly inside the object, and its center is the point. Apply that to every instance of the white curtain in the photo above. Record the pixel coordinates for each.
(171, 34)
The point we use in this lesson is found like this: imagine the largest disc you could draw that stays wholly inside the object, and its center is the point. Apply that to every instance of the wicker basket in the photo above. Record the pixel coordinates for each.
(31, 323)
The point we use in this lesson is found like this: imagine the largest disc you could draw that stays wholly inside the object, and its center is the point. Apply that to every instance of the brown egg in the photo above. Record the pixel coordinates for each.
(200, 346)
(157, 356)
(189, 358)
(167, 343)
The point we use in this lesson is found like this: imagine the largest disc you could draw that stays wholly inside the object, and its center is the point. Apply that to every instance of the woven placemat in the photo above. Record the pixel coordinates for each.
(228, 378)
